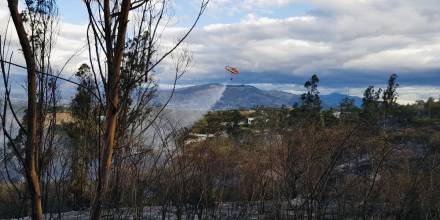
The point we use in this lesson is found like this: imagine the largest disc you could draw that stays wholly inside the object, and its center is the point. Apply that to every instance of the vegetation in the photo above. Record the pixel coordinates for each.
(120, 155)
(378, 160)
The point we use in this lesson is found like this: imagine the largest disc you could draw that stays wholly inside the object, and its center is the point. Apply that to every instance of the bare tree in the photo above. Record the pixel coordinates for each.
(30, 156)
(109, 37)
(34, 28)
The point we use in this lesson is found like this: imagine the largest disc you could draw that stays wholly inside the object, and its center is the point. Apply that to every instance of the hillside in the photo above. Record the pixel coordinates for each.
(221, 97)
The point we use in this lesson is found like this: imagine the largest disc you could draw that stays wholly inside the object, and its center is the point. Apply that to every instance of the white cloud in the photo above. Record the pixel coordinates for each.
(372, 36)
(69, 40)
(234, 7)
(389, 36)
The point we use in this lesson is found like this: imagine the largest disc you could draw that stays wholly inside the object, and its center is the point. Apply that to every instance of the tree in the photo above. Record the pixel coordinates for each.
(371, 105)
(83, 132)
(113, 31)
(84, 103)
(34, 27)
(348, 110)
(390, 94)
(390, 98)
(108, 23)
(311, 103)
(30, 159)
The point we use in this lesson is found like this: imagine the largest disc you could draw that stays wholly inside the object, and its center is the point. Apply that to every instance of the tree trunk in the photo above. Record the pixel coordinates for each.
(114, 61)
(30, 167)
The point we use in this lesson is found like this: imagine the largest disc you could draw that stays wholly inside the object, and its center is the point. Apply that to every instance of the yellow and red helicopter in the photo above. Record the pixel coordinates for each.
(233, 71)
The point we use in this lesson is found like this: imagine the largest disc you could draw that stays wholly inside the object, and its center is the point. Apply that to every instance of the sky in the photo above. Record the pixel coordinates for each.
(279, 44)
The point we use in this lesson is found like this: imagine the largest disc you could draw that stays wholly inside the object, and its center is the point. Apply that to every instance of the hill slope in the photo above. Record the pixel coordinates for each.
(221, 97)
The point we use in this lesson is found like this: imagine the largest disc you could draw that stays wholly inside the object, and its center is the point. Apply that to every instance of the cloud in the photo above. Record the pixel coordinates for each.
(234, 7)
(342, 40)
(348, 43)
(69, 41)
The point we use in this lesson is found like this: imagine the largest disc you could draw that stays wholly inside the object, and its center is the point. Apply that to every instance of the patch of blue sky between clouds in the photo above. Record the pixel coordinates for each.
(72, 11)
(234, 12)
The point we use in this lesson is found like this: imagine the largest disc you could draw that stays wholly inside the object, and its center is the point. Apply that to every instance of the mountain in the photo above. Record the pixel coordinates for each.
(221, 97)
(334, 99)
(200, 97)
(244, 96)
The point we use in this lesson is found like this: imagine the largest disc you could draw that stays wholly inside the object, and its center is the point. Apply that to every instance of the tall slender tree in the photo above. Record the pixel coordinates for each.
(34, 27)
(371, 105)
(108, 24)
(390, 94)
(311, 102)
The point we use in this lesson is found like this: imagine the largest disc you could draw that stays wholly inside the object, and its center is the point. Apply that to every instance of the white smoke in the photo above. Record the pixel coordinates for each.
(185, 111)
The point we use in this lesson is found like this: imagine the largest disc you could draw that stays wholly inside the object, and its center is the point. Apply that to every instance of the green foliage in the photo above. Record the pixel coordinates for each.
(220, 121)
(348, 110)
(44, 7)
(137, 59)
(277, 118)
(210, 124)
(83, 104)
(310, 108)
(83, 133)
(390, 94)
(371, 105)
(329, 119)
(39, 16)
(310, 100)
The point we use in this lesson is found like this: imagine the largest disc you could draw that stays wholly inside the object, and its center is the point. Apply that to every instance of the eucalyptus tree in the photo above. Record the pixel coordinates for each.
(108, 41)
(35, 27)
(311, 102)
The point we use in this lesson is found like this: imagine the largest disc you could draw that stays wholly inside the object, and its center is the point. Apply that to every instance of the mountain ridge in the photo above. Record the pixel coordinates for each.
(207, 96)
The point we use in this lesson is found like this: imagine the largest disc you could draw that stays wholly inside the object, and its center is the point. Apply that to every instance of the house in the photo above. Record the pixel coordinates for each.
(60, 118)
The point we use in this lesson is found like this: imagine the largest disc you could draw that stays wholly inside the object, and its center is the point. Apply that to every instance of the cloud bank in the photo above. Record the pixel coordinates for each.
(348, 43)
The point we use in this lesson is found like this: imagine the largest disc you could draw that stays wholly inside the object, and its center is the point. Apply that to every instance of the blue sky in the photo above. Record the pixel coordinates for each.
(278, 44)
(74, 12)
